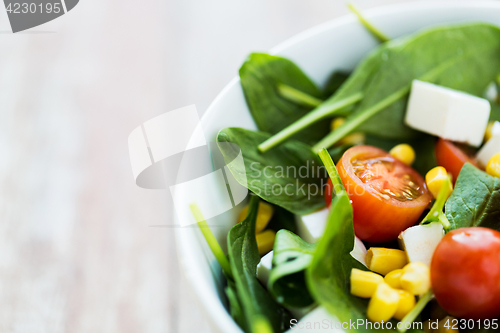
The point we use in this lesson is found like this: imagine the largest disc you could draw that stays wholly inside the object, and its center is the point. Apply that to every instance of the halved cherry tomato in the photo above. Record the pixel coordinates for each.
(465, 273)
(387, 196)
(452, 158)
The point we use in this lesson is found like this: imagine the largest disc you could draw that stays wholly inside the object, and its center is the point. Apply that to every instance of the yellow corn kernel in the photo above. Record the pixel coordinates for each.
(493, 166)
(416, 278)
(435, 179)
(383, 304)
(403, 152)
(393, 278)
(264, 214)
(448, 321)
(336, 123)
(492, 129)
(363, 283)
(406, 304)
(383, 261)
(265, 241)
(351, 139)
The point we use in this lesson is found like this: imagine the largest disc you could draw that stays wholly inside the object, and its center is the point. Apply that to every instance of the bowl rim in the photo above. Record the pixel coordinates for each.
(212, 311)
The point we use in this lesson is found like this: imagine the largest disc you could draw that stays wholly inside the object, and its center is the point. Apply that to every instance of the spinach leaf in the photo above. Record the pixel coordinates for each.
(495, 111)
(291, 256)
(462, 57)
(290, 176)
(475, 201)
(254, 300)
(260, 75)
(346, 96)
(235, 308)
(473, 49)
(328, 274)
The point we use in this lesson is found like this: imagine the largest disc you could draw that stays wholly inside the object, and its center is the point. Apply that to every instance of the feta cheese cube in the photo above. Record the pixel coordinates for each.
(447, 113)
(421, 241)
(264, 268)
(311, 227)
(490, 148)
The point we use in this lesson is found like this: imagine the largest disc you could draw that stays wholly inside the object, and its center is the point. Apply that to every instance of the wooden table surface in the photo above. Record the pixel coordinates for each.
(77, 250)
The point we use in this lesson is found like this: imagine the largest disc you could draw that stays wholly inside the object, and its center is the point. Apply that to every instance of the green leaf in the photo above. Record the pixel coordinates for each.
(471, 50)
(291, 256)
(495, 111)
(254, 300)
(328, 274)
(292, 171)
(234, 304)
(475, 201)
(260, 75)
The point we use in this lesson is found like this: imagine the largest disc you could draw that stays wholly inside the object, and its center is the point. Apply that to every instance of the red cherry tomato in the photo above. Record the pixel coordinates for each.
(451, 157)
(465, 273)
(387, 196)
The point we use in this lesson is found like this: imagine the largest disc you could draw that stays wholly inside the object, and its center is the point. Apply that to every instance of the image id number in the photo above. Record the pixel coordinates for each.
(25, 7)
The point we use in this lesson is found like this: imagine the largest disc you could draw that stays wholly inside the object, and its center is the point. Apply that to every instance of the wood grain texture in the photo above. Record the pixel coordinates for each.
(77, 250)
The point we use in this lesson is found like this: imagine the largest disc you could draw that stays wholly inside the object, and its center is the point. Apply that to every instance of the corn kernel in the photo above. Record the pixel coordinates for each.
(351, 139)
(336, 123)
(264, 214)
(384, 303)
(416, 278)
(492, 129)
(363, 283)
(265, 241)
(403, 152)
(406, 304)
(383, 261)
(393, 278)
(446, 325)
(493, 166)
(435, 179)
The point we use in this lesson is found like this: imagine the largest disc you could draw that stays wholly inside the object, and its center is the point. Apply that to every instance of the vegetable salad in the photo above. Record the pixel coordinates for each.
(388, 207)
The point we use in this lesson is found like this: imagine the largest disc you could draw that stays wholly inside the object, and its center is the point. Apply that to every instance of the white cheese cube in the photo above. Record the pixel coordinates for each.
(264, 268)
(421, 241)
(490, 148)
(317, 320)
(447, 113)
(311, 227)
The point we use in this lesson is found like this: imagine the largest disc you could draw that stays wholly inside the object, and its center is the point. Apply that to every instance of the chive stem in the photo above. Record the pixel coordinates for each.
(351, 124)
(374, 31)
(297, 96)
(324, 110)
(405, 324)
(436, 212)
(325, 157)
(211, 240)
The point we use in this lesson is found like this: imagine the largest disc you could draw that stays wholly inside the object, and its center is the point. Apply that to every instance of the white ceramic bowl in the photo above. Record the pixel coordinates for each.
(338, 44)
